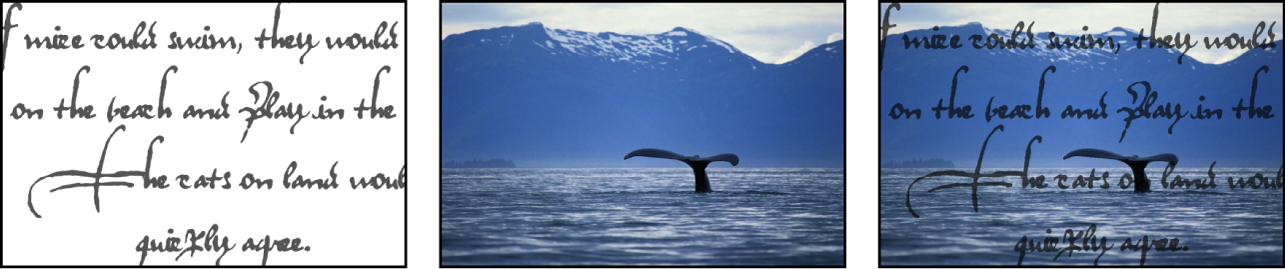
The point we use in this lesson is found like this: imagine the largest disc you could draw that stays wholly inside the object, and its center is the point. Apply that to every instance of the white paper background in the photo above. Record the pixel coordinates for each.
(425, 156)
(342, 226)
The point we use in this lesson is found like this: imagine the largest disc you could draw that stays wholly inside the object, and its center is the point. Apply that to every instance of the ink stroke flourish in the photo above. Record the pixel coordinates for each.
(97, 175)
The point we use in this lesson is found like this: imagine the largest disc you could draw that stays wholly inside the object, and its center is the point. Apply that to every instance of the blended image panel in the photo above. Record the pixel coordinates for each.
(1084, 134)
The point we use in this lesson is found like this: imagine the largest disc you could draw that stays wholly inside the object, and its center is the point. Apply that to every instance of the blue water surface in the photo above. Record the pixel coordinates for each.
(642, 216)
(1217, 226)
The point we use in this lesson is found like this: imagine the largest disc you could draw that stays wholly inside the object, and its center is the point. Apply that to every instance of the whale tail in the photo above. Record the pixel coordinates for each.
(1136, 164)
(697, 163)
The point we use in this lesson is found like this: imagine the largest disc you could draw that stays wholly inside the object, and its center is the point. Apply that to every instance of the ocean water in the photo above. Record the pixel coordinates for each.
(642, 216)
(1217, 226)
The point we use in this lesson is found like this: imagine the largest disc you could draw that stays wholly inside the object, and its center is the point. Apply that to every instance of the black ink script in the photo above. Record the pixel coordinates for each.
(97, 175)
(1089, 241)
(298, 41)
(8, 25)
(266, 245)
(975, 175)
(883, 42)
(208, 240)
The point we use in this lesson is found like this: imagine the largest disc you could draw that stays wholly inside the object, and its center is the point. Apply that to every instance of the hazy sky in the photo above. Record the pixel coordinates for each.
(1199, 20)
(771, 33)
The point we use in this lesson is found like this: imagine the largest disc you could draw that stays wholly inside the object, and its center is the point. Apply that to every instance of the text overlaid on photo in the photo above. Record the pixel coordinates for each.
(1086, 88)
(1033, 110)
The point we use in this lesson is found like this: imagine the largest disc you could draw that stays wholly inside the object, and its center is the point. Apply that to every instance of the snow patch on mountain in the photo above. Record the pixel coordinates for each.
(556, 36)
(629, 48)
(1118, 35)
(720, 43)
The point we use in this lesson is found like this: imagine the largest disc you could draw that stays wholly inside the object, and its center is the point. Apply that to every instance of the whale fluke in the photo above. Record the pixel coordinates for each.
(1135, 163)
(697, 163)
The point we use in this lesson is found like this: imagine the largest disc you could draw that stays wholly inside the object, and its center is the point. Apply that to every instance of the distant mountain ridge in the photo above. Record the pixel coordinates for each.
(560, 90)
(1094, 79)
(631, 48)
(673, 50)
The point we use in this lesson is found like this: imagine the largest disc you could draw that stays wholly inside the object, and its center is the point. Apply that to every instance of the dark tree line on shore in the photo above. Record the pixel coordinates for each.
(479, 163)
(917, 163)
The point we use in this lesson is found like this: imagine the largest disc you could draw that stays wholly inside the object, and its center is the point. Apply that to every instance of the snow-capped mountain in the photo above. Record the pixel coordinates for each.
(1094, 66)
(631, 49)
(563, 89)
(826, 52)
(672, 50)
(634, 49)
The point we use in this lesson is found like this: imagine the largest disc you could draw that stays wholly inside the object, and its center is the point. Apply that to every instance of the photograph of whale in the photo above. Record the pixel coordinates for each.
(697, 163)
(562, 91)
(1136, 164)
